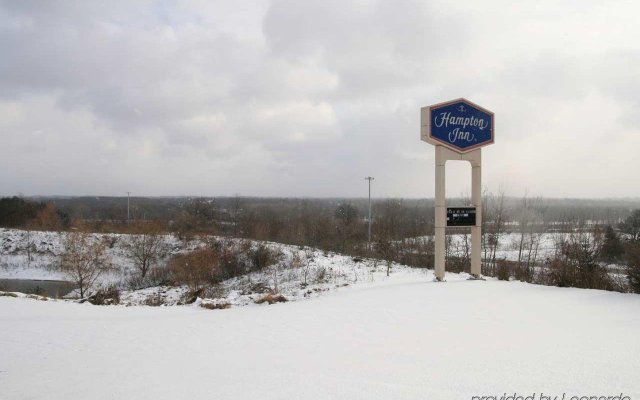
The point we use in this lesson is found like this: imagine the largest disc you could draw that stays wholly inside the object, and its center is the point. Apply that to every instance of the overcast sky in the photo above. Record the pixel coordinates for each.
(306, 98)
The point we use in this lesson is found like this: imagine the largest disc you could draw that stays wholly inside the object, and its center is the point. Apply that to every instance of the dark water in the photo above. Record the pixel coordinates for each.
(34, 286)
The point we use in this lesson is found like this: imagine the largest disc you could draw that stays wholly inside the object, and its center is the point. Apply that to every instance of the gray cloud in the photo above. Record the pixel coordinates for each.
(307, 98)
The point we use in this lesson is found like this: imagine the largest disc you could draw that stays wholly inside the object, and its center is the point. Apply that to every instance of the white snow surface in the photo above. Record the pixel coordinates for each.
(407, 339)
(46, 249)
(326, 271)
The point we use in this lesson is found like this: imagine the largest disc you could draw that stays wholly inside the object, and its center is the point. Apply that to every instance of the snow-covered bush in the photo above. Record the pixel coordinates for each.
(106, 296)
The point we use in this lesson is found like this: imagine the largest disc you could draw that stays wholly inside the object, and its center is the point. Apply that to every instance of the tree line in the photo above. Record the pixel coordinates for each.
(586, 236)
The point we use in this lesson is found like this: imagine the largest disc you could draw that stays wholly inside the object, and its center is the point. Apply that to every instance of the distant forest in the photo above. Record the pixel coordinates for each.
(589, 235)
(332, 223)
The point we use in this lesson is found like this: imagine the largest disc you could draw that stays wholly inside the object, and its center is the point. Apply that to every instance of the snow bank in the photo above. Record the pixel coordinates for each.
(416, 339)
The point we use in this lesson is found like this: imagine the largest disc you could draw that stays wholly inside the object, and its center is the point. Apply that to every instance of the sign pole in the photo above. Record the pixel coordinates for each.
(458, 129)
(476, 199)
(441, 209)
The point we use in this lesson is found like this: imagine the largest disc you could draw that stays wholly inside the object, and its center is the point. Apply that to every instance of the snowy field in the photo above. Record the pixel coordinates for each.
(508, 244)
(325, 271)
(49, 245)
(46, 249)
(414, 339)
(358, 335)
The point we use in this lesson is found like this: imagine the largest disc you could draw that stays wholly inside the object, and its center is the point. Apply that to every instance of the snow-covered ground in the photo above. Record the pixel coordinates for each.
(508, 244)
(545, 244)
(46, 248)
(324, 271)
(406, 339)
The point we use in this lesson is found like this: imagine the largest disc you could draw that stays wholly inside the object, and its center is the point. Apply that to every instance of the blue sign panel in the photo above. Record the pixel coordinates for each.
(460, 125)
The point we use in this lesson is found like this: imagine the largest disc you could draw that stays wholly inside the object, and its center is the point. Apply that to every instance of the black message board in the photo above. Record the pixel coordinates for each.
(461, 216)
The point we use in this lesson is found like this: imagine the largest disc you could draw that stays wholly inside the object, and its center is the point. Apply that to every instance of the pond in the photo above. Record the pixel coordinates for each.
(47, 288)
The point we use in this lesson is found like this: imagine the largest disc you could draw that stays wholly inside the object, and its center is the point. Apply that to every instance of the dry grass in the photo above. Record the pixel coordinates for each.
(215, 306)
(271, 299)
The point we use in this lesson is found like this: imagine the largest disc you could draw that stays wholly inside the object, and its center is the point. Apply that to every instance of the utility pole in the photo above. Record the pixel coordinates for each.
(128, 194)
(369, 178)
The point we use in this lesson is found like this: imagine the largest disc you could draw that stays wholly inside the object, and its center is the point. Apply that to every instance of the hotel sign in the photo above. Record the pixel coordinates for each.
(459, 125)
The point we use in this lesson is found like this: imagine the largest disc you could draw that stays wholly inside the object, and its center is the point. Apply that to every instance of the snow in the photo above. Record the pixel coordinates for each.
(358, 334)
(48, 245)
(46, 249)
(326, 271)
(508, 244)
(407, 339)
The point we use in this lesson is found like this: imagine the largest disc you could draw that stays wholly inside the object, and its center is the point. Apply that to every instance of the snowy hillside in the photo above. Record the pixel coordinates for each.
(318, 273)
(46, 248)
(408, 340)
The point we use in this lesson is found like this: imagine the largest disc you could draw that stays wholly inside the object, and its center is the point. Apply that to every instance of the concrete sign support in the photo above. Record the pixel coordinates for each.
(458, 129)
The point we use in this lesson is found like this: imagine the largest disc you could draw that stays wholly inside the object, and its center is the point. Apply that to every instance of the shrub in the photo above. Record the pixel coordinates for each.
(215, 305)
(36, 297)
(560, 273)
(271, 299)
(232, 263)
(523, 273)
(154, 300)
(503, 272)
(191, 296)
(321, 274)
(612, 248)
(262, 257)
(157, 276)
(196, 269)
(106, 296)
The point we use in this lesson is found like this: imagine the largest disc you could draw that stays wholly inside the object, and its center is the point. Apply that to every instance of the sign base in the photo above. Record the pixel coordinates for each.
(443, 154)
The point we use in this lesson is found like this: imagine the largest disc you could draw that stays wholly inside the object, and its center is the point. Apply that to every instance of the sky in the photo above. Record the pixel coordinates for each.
(306, 98)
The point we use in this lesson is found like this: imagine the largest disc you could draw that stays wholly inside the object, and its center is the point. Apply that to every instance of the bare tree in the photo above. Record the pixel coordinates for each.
(83, 260)
(466, 251)
(236, 211)
(145, 247)
(47, 219)
(495, 227)
(527, 219)
(485, 217)
(385, 249)
(524, 218)
(347, 228)
(274, 269)
(306, 266)
(30, 245)
(631, 225)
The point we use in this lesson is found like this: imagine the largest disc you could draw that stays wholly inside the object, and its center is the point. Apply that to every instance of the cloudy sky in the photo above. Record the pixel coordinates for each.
(306, 98)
